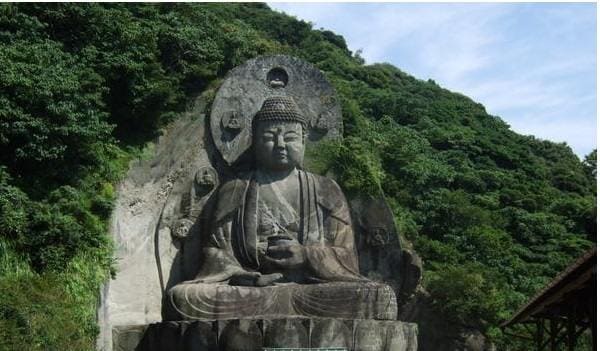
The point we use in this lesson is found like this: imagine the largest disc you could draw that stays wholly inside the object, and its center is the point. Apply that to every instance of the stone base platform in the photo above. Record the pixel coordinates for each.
(259, 334)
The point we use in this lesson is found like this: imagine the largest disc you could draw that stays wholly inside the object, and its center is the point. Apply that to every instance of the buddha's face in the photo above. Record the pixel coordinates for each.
(278, 145)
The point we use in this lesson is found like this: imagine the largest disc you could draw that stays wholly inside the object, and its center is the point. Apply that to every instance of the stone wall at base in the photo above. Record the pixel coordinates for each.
(256, 334)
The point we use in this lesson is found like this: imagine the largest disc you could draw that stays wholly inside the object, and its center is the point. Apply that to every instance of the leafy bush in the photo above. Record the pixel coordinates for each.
(50, 111)
(50, 311)
(465, 294)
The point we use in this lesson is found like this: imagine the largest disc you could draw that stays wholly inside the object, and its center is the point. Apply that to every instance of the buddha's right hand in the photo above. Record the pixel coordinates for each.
(235, 275)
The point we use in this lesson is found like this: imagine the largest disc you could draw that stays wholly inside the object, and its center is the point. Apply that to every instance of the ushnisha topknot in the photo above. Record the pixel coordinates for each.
(280, 108)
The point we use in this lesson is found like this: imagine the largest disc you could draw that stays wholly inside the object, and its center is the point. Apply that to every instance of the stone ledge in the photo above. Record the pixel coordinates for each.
(257, 334)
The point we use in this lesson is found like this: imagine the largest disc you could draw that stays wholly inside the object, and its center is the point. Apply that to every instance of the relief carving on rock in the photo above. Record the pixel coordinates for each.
(277, 237)
(246, 237)
(280, 241)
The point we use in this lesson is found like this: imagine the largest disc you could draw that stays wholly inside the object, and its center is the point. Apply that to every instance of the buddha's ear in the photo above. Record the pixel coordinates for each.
(304, 134)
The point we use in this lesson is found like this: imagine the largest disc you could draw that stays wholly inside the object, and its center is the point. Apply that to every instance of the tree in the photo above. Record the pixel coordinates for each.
(589, 163)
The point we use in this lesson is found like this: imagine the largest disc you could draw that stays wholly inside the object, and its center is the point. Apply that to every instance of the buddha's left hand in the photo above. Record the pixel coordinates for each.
(288, 256)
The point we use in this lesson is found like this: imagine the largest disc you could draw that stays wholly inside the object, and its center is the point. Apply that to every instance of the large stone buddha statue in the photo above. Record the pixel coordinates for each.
(281, 241)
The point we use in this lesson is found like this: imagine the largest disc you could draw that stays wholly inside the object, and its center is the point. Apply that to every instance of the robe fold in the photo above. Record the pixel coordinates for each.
(325, 231)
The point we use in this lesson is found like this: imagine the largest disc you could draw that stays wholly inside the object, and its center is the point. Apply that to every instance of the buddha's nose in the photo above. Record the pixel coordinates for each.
(280, 142)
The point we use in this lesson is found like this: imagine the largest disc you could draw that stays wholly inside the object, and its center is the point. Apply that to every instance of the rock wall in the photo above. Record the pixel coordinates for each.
(151, 198)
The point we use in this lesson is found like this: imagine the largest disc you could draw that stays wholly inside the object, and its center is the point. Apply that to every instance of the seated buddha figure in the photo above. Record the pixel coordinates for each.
(281, 242)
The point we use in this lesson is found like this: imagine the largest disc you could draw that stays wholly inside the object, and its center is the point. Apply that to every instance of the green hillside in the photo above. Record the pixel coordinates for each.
(83, 87)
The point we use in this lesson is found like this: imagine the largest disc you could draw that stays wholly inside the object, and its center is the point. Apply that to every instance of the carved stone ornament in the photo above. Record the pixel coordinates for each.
(322, 123)
(182, 228)
(206, 177)
(378, 236)
(232, 122)
(247, 86)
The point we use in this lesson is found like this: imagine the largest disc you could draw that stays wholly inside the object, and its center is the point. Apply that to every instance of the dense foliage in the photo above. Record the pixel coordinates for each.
(494, 214)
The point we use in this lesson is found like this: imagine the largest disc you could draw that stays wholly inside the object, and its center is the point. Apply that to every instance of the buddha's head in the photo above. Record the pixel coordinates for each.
(279, 130)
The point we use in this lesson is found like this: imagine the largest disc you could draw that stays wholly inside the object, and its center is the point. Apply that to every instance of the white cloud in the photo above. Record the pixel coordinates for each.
(531, 64)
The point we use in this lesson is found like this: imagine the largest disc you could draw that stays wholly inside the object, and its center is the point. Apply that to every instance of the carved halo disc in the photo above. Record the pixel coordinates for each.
(246, 87)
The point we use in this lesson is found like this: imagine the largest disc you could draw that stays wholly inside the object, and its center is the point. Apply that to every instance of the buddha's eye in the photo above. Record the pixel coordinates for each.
(291, 137)
(267, 137)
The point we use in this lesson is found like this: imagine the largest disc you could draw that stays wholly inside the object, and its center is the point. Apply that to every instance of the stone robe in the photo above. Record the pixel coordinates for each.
(329, 285)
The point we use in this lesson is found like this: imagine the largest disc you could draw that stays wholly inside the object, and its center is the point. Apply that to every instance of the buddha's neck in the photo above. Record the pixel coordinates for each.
(276, 175)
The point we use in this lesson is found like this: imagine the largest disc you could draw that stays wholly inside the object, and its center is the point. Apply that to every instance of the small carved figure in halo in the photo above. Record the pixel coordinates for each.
(232, 122)
(277, 78)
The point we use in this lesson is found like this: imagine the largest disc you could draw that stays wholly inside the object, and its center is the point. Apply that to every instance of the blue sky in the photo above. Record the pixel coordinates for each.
(532, 64)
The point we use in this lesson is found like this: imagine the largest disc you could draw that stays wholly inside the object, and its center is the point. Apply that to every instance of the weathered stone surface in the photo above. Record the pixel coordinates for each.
(240, 334)
(382, 256)
(200, 336)
(402, 336)
(384, 335)
(247, 86)
(146, 225)
(126, 338)
(286, 333)
(255, 334)
(331, 333)
(369, 336)
(184, 336)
